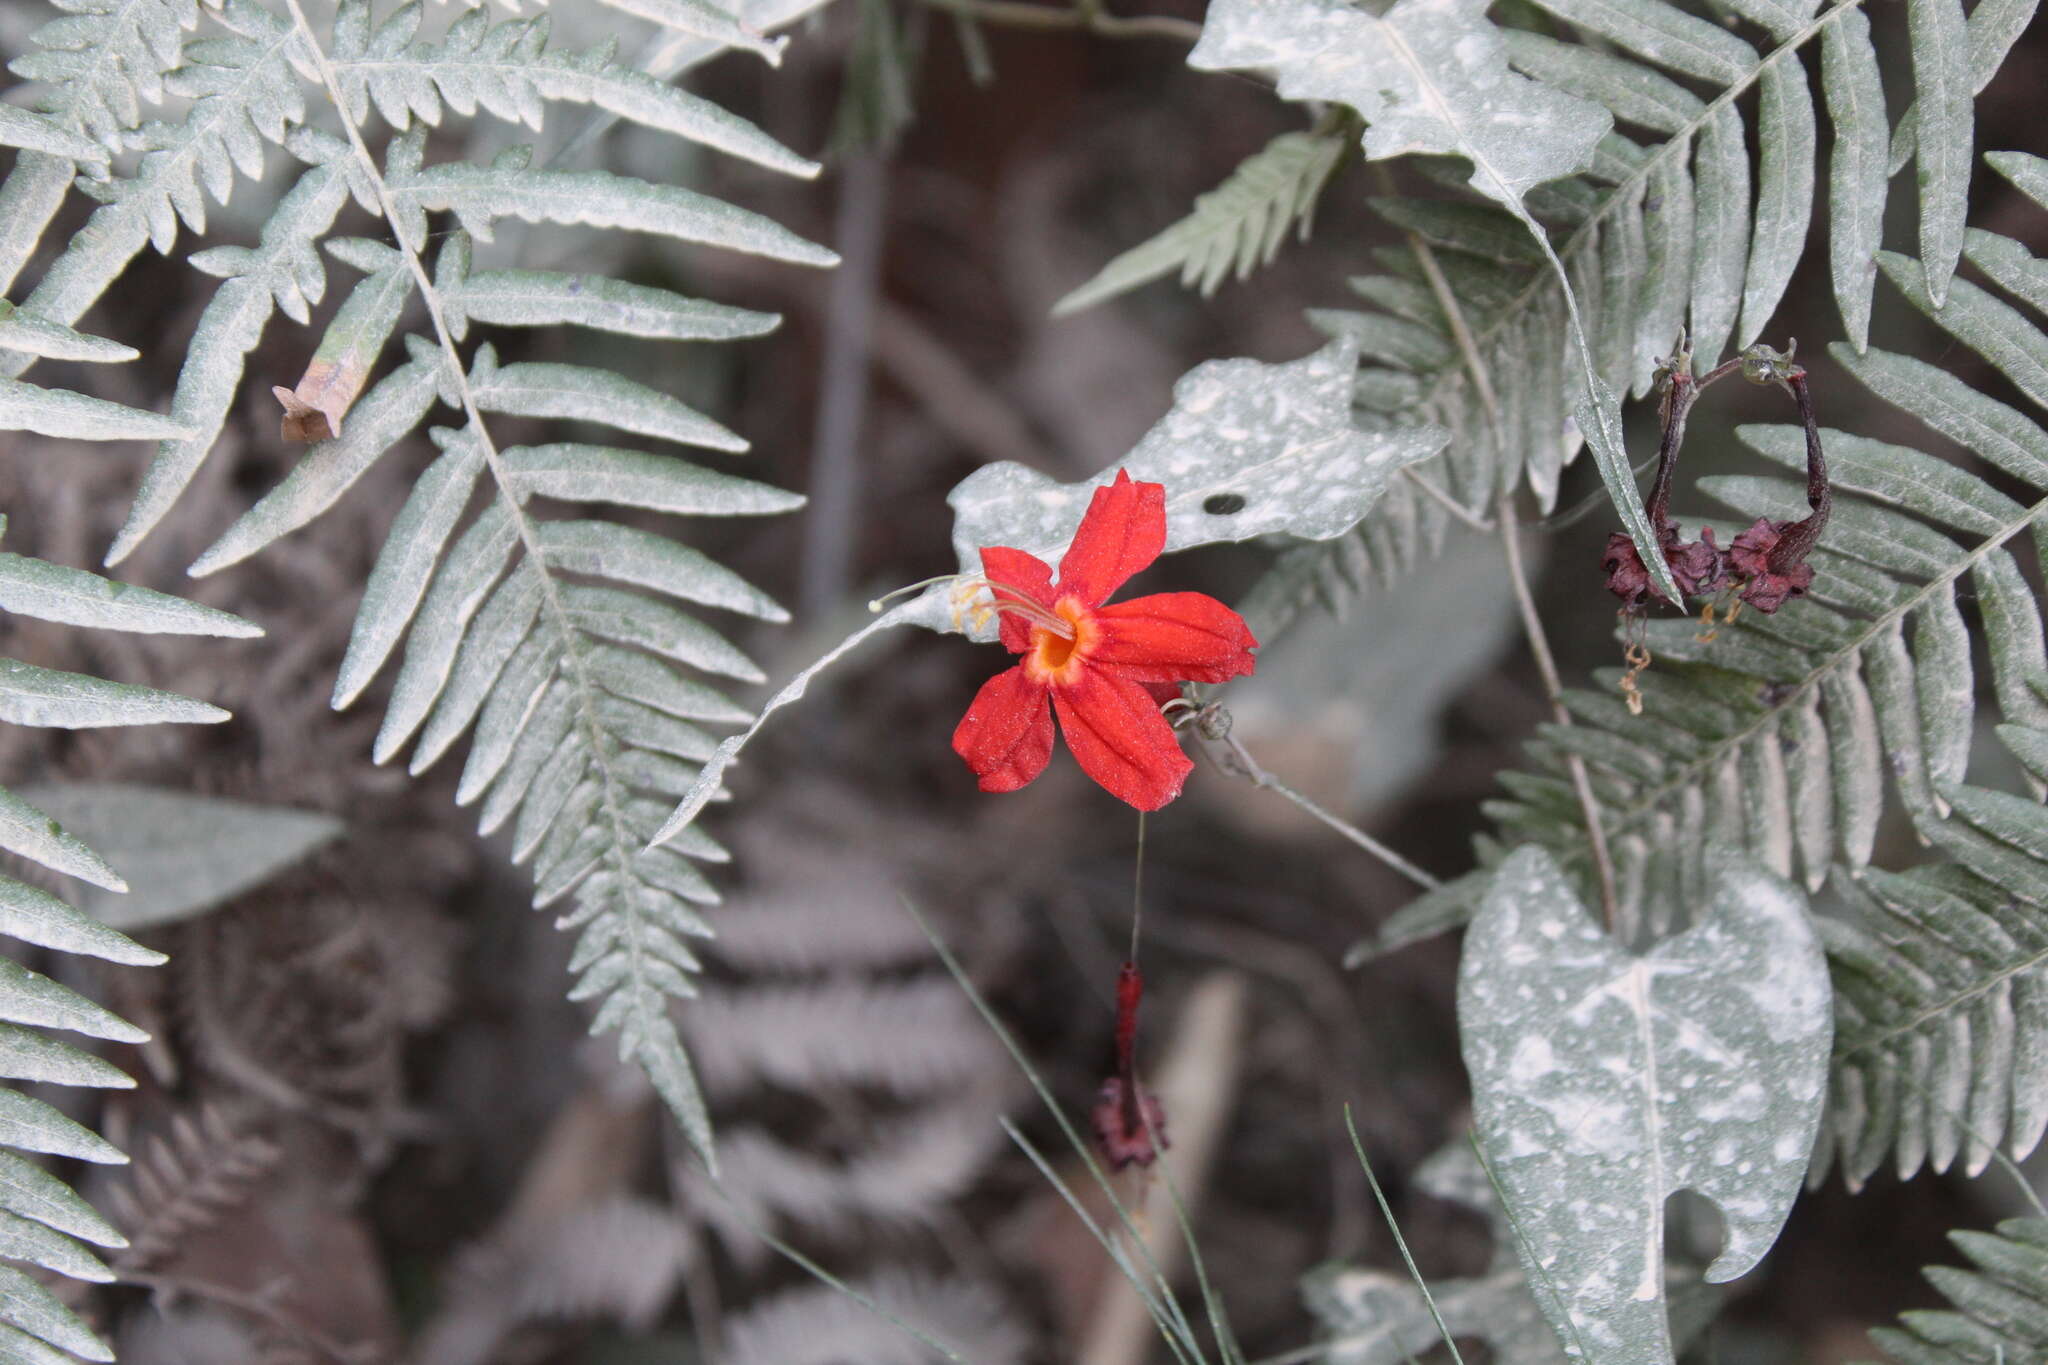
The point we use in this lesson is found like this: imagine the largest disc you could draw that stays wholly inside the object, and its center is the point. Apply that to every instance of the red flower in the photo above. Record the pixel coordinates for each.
(1097, 666)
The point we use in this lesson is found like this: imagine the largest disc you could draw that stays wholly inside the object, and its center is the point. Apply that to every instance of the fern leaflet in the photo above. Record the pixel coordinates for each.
(2001, 1312)
(1234, 228)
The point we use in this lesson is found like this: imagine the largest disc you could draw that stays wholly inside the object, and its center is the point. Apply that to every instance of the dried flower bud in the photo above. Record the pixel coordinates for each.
(1698, 566)
(1763, 365)
(1767, 563)
(1772, 557)
(1127, 1116)
(1627, 578)
(1124, 1131)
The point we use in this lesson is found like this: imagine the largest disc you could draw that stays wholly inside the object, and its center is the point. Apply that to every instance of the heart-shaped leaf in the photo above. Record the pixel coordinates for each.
(1604, 1081)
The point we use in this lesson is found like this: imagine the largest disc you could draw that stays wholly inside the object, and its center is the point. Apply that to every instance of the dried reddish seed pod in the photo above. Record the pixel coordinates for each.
(1130, 1125)
(1698, 566)
(1627, 578)
(1127, 1119)
(1774, 573)
(1771, 555)
(1767, 562)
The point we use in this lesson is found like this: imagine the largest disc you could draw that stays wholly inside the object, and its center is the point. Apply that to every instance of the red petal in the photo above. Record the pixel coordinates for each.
(1006, 735)
(1173, 636)
(1121, 740)
(1024, 573)
(1124, 530)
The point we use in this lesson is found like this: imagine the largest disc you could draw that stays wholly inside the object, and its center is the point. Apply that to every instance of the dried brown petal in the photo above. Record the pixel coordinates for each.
(1698, 565)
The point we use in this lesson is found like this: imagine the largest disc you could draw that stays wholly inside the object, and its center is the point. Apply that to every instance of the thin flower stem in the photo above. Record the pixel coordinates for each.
(1089, 17)
(1248, 768)
(1138, 888)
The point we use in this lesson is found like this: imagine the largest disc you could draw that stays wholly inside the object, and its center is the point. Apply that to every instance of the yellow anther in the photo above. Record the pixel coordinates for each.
(1707, 632)
(1637, 657)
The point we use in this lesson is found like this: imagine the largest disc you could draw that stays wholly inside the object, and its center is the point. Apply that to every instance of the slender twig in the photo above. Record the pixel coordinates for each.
(256, 1304)
(1468, 349)
(1090, 17)
(1510, 538)
(1456, 508)
(843, 388)
(1553, 688)
(1244, 765)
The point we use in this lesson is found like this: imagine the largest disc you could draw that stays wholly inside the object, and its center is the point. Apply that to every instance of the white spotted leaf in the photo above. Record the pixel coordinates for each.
(1248, 449)
(1428, 76)
(1605, 1081)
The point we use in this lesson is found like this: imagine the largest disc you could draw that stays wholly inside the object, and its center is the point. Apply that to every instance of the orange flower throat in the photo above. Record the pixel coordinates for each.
(1058, 656)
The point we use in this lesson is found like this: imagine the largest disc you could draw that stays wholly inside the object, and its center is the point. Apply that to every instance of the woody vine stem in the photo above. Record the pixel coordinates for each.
(1509, 529)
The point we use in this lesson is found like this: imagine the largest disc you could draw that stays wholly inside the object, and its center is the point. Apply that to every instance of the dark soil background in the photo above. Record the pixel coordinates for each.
(369, 1123)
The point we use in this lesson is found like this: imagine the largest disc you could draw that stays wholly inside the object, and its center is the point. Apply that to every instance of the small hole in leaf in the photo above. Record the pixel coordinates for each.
(1223, 504)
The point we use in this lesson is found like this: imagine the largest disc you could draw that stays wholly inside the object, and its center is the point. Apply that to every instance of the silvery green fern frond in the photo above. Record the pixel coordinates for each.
(61, 412)
(1941, 1006)
(567, 646)
(1234, 228)
(42, 1222)
(98, 66)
